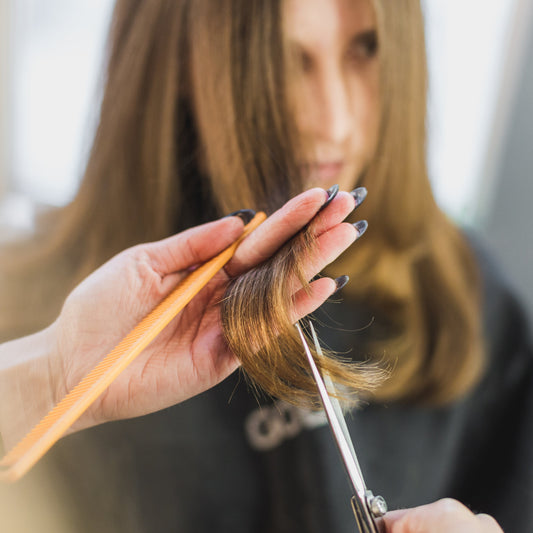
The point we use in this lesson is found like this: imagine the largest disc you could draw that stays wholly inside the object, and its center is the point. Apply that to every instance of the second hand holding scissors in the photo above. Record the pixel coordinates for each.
(368, 509)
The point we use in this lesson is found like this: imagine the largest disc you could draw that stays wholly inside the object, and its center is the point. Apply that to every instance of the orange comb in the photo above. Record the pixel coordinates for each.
(50, 429)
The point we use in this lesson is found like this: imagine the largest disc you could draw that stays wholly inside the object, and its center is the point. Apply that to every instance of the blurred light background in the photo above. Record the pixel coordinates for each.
(479, 118)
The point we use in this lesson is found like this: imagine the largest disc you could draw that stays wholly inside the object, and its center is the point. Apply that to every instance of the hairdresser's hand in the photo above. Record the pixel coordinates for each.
(443, 516)
(190, 355)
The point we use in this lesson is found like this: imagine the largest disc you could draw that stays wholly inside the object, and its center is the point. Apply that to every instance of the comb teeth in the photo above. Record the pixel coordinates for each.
(50, 429)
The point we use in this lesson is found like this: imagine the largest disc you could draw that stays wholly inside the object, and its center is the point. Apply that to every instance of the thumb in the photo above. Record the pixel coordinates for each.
(195, 245)
(395, 519)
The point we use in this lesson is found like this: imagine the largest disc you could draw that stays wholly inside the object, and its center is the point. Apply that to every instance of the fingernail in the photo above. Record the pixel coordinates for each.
(360, 226)
(341, 282)
(332, 192)
(359, 195)
(244, 214)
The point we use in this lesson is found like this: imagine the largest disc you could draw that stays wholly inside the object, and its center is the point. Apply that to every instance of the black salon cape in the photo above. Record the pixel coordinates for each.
(218, 463)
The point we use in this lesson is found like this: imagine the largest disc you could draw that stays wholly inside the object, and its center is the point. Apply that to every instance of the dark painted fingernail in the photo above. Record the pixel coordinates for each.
(359, 195)
(341, 282)
(360, 226)
(332, 192)
(244, 214)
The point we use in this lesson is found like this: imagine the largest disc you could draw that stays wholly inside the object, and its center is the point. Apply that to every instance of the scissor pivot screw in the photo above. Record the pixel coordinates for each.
(378, 505)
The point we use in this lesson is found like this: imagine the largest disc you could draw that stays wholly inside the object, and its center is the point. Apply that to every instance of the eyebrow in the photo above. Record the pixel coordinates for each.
(360, 37)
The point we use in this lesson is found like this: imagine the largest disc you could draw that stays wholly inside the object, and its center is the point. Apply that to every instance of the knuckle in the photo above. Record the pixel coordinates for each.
(451, 506)
(189, 250)
(311, 200)
(488, 521)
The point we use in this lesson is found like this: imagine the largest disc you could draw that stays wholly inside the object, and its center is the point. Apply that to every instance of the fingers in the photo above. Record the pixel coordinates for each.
(395, 521)
(285, 223)
(488, 524)
(330, 245)
(193, 246)
(440, 517)
(340, 208)
(201, 243)
(305, 302)
(276, 230)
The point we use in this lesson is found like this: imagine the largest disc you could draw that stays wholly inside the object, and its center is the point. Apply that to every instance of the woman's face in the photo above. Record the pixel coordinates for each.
(335, 90)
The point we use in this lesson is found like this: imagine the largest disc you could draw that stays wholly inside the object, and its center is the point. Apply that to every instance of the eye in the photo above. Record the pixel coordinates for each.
(364, 46)
(300, 59)
(304, 61)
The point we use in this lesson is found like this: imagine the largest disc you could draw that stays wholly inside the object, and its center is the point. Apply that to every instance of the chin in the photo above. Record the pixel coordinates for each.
(346, 180)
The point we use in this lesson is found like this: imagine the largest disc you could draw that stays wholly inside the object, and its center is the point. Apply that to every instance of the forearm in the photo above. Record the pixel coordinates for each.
(27, 383)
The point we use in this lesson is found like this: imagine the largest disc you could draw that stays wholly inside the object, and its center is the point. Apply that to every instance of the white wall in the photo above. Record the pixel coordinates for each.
(57, 57)
(507, 218)
(468, 43)
(5, 97)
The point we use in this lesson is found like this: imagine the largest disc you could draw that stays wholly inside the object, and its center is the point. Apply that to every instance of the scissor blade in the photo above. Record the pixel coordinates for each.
(330, 387)
(350, 463)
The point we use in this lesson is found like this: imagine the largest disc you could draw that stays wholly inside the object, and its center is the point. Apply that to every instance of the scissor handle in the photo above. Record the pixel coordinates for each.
(369, 520)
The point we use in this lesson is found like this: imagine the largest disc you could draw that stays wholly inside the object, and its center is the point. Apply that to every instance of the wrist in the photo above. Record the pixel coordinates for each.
(30, 381)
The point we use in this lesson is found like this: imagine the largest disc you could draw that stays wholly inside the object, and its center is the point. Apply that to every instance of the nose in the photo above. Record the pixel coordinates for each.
(334, 120)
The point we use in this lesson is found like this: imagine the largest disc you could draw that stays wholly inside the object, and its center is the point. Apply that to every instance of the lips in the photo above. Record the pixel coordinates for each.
(323, 171)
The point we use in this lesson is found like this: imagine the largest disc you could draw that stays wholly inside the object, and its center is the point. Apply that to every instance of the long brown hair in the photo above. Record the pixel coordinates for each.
(195, 122)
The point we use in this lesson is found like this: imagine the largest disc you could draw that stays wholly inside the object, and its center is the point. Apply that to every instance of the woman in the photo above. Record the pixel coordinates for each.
(209, 107)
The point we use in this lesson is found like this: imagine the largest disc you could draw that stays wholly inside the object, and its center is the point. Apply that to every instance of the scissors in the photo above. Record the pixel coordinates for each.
(368, 509)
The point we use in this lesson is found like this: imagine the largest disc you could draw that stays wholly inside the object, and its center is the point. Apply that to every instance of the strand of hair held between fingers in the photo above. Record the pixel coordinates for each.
(50, 429)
